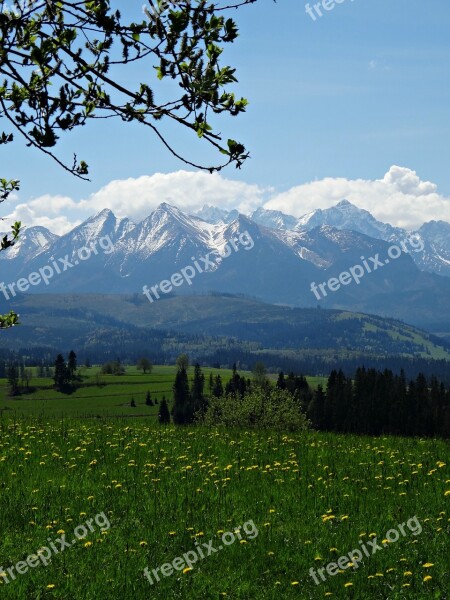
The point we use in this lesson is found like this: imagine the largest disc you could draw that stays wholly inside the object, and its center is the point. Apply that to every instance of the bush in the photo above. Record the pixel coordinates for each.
(113, 368)
(260, 409)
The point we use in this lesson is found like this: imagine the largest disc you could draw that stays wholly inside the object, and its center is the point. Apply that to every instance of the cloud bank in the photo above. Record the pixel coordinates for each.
(400, 198)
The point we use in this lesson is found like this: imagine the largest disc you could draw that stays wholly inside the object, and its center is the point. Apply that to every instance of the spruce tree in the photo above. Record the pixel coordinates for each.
(164, 414)
(72, 365)
(281, 383)
(182, 407)
(218, 387)
(316, 411)
(198, 399)
(61, 376)
(13, 380)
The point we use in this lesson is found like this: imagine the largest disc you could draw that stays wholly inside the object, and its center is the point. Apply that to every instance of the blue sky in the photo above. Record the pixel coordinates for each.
(345, 97)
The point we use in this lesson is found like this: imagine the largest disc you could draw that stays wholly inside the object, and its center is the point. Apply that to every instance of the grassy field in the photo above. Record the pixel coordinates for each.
(111, 399)
(305, 499)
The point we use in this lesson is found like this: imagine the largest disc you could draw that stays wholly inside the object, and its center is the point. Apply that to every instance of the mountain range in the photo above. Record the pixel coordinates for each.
(287, 255)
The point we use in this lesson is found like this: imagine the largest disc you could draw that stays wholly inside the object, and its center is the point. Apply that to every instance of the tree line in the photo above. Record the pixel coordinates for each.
(373, 402)
(379, 402)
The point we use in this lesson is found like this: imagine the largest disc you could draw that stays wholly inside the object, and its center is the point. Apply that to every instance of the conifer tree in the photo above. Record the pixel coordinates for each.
(281, 382)
(164, 414)
(182, 407)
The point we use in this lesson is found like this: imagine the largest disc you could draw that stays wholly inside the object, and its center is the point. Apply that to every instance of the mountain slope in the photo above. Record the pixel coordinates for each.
(59, 320)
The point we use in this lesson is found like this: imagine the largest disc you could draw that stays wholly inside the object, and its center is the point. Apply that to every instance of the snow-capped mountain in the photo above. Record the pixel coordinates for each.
(31, 242)
(435, 235)
(274, 219)
(214, 215)
(436, 254)
(347, 216)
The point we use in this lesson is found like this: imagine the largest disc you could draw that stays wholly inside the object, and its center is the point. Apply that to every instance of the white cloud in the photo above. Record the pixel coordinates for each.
(137, 198)
(45, 211)
(400, 198)
(189, 191)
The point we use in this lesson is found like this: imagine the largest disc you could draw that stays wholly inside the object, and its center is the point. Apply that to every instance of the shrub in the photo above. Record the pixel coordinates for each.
(260, 409)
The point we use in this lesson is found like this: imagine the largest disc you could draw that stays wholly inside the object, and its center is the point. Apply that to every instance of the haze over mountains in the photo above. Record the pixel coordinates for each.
(288, 255)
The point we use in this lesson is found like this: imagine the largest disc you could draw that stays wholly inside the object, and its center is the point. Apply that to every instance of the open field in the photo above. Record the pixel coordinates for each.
(312, 498)
(111, 399)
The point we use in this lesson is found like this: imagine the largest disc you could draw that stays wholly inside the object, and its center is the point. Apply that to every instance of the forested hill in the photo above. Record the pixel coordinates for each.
(219, 328)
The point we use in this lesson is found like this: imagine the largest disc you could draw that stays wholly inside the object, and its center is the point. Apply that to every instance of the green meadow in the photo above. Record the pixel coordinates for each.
(104, 395)
(90, 498)
(160, 493)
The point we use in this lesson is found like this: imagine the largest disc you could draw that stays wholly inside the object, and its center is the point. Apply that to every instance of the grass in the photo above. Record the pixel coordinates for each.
(312, 498)
(164, 492)
(112, 399)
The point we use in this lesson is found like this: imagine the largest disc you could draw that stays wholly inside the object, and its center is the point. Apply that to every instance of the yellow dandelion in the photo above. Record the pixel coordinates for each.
(294, 583)
(143, 543)
(348, 584)
(186, 570)
(50, 586)
(88, 544)
(427, 578)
